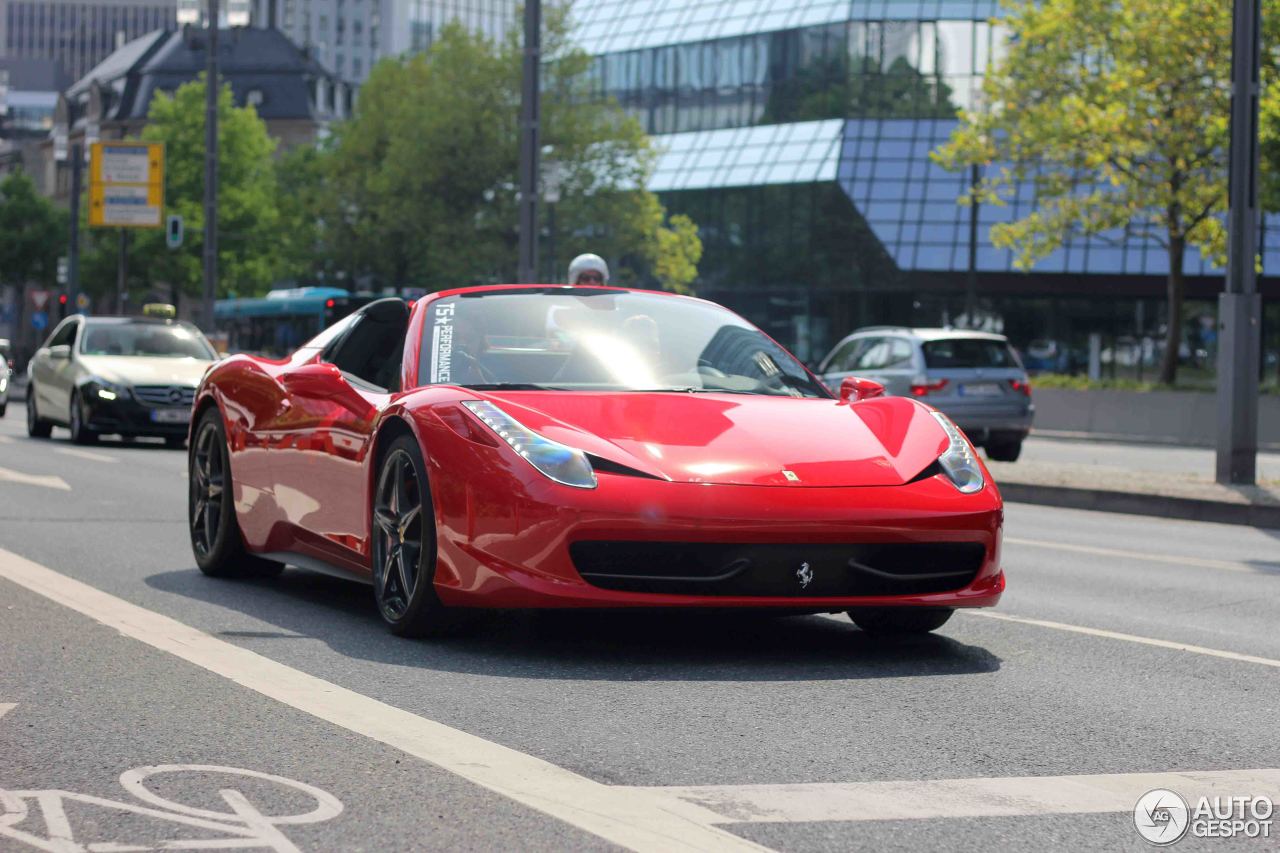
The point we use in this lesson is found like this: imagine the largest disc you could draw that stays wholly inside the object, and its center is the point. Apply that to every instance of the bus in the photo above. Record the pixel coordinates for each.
(278, 323)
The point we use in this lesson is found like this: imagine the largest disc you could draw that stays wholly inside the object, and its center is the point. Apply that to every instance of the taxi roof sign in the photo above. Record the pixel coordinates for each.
(161, 310)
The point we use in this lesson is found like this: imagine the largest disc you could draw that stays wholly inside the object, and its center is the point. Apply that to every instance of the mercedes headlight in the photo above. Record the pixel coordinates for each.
(959, 461)
(566, 465)
(104, 389)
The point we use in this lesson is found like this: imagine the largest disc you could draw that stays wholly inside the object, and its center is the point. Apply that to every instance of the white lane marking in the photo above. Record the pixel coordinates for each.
(1129, 638)
(1134, 555)
(245, 824)
(618, 815)
(48, 482)
(6, 707)
(955, 798)
(85, 454)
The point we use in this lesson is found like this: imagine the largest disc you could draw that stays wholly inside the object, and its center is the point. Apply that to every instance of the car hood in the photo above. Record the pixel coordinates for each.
(144, 370)
(740, 439)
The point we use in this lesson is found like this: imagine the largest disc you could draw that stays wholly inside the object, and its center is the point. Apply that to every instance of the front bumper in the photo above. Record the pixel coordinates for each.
(502, 550)
(126, 416)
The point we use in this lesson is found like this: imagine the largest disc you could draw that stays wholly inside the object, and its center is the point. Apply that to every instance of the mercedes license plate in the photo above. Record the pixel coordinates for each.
(171, 416)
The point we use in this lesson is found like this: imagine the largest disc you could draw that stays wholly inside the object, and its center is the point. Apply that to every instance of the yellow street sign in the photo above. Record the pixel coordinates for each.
(126, 184)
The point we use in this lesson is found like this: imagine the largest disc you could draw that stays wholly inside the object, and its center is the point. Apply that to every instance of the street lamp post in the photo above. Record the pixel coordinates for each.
(211, 168)
(1240, 306)
(530, 115)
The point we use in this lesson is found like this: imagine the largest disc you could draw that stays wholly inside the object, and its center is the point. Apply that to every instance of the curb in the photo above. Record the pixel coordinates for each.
(1160, 506)
(1128, 438)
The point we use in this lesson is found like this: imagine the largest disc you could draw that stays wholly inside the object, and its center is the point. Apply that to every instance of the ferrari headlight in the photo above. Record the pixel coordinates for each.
(959, 461)
(565, 465)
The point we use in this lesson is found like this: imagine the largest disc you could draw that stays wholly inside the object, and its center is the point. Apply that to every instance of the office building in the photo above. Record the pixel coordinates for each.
(798, 137)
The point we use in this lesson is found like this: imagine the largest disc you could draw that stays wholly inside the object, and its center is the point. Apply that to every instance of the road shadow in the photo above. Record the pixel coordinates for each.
(660, 645)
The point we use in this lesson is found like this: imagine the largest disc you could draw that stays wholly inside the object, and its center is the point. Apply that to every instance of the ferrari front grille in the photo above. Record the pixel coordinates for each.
(801, 570)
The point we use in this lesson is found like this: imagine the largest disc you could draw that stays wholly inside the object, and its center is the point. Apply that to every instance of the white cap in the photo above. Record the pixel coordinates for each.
(582, 263)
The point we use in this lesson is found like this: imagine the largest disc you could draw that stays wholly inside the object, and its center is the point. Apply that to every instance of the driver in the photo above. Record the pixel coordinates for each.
(588, 269)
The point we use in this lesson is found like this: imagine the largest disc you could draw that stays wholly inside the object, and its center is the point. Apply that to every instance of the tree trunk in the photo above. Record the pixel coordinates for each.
(1173, 336)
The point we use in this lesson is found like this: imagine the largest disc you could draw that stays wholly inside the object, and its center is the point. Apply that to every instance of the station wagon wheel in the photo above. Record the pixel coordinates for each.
(404, 546)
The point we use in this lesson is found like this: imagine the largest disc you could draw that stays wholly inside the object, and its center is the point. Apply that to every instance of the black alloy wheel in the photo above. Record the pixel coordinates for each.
(404, 546)
(80, 432)
(216, 540)
(37, 427)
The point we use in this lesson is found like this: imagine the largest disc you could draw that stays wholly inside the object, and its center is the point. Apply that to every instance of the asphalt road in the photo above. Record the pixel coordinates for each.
(142, 704)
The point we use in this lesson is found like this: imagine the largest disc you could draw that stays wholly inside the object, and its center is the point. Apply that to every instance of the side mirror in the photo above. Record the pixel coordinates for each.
(61, 352)
(323, 381)
(853, 389)
(319, 380)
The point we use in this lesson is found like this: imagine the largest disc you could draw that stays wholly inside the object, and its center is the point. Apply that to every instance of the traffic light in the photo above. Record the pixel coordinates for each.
(62, 305)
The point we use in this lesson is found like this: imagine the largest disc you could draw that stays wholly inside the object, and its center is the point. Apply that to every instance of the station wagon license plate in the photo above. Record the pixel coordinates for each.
(171, 416)
(980, 389)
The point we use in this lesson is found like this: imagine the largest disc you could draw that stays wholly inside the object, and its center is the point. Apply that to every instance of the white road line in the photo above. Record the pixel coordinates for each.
(85, 454)
(1130, 638)
(7, 707)
(47, 481)
(619, 815)
(955, 798)
(1199, 562)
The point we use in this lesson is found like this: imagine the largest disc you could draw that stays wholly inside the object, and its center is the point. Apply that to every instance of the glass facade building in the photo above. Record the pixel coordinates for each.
(798, 137)
(78, 34)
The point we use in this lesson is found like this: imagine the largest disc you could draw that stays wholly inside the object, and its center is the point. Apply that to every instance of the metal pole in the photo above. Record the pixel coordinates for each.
(971, 281)
(1240, 306)
(122, 271)
(73, 251)
(530, 114)
(211, 169)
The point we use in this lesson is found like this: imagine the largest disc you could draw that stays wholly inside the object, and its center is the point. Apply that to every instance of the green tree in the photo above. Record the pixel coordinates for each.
(422, 182)
(1117, 112)
(249, 224)
(33, 233)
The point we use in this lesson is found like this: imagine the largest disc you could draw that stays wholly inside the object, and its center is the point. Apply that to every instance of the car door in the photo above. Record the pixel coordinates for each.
(53, 371)
(319, 443)
(899, 367)
(840, 363)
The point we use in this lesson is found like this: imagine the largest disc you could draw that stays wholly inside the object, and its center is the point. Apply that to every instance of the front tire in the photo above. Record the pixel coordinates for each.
(37, 427)
(80, 432)
(900, 620)
(216, 539)
(404, 546)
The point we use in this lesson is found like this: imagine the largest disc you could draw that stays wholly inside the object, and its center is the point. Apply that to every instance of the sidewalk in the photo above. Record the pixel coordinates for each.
(1141, 479)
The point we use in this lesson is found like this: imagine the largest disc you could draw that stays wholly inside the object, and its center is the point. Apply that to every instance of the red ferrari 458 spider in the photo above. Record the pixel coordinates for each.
(545, 446)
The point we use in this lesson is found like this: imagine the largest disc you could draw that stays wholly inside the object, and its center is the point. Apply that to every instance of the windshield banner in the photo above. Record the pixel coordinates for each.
(442, 344)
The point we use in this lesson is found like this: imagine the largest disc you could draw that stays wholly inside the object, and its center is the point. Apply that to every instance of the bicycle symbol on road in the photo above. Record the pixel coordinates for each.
(242, 826)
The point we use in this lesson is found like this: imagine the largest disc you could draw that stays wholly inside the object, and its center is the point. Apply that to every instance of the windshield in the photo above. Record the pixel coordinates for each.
(969, 352)
(145, 339)
(603, 340)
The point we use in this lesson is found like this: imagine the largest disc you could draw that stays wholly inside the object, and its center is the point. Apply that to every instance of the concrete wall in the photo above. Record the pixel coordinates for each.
(1176, 417)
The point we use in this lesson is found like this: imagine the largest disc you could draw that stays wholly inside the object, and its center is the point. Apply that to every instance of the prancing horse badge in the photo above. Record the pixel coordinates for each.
(804, 574)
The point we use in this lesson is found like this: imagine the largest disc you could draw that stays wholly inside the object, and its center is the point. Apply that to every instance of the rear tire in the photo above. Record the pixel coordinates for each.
(216, 539)
(1004, 451)
(404, 547)
(80, 432)
(4, 407)
(37, 427)
(900, 620)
